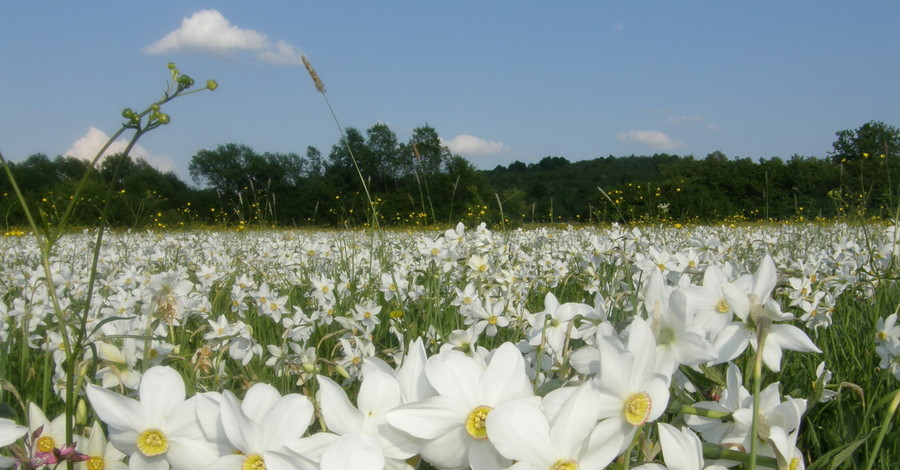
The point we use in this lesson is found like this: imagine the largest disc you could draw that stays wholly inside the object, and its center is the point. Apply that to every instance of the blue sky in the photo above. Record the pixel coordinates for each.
(499, 80)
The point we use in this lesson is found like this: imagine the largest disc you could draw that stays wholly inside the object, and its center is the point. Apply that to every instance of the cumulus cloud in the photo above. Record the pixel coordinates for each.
(281, 53)
(210, 32)
(654, 139)
(86, 148)
(470, 145)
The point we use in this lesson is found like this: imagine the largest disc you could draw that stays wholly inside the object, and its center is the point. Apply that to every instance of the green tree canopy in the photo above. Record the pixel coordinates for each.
(873, 138)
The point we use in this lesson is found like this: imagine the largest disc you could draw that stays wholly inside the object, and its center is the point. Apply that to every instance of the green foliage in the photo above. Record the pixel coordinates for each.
(420, 182)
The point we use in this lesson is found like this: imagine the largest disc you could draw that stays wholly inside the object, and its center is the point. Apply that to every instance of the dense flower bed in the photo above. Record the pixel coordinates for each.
(550, 348)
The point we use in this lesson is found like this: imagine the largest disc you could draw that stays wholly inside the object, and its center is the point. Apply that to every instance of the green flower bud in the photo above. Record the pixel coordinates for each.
(163, 118)
(185, 81)
(212, 85)
(127, 113)
(80, 413)
(171, 65)
(154, 107)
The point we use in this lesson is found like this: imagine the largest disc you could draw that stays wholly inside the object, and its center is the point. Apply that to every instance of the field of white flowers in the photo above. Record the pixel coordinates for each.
(553, 348)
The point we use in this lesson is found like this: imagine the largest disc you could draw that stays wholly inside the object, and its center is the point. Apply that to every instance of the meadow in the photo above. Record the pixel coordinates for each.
(552, 347)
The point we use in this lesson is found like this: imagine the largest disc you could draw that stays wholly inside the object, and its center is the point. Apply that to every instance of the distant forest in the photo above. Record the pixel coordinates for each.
(420, 182)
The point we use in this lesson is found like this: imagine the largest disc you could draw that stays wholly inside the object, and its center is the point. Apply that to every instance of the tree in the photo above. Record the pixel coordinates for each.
(431, 154)
(225, 169)
(872, 139)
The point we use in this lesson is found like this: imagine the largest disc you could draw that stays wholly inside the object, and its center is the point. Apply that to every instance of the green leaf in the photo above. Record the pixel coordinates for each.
(834, 458)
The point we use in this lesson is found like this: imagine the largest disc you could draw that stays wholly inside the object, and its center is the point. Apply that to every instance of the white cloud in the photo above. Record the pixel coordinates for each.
(654, 139)
(281, 54)
(470, 145)
(86, 148)
(210, 32)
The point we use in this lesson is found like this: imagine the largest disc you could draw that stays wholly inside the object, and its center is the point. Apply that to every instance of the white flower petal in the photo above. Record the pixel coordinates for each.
(504, 377)
(162, 389)
(455, 375)
(286, 421)
(117, 411)
(258, 400)
(354, 451)
(341, 416)
(429, 418)
(520, 432)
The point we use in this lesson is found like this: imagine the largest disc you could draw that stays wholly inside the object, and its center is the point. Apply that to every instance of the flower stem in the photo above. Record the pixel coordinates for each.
(884, 428)
(762, 331)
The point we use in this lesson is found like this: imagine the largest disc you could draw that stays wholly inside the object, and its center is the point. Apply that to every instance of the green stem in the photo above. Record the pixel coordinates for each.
(762, 331)
(716, 452)
(884, 429)
(355, 165)
(677, 408)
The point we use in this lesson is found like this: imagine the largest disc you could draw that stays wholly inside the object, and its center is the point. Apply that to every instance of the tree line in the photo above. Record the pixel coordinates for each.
(420, 182)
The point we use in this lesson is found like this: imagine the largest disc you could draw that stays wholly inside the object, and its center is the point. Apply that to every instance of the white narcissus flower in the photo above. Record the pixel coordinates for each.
(773, 413)
(101, 454)
(159, 430)
(678, 340)
(454, 422)
(733, 398)
(631, 392)
(364, 424)
(681, 449)
(551, 327)
(751, 299)
(261, 425)
(557, 437)
(53, 433)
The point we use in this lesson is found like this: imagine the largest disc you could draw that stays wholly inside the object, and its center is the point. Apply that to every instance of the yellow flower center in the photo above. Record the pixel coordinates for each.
(795, 464)
(722, 306)
(475, 423)
(253, 462)
(565, 465)
(492, 319)
(152, 442)
(637, 408)
(95, 463)
(482, 268)
(45, 444)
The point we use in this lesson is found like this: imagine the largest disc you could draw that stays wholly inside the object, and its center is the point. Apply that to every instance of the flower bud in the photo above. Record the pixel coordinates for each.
(127, 113)
(340, 370)
(212, 85)
(80, 413)
(162, 118)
